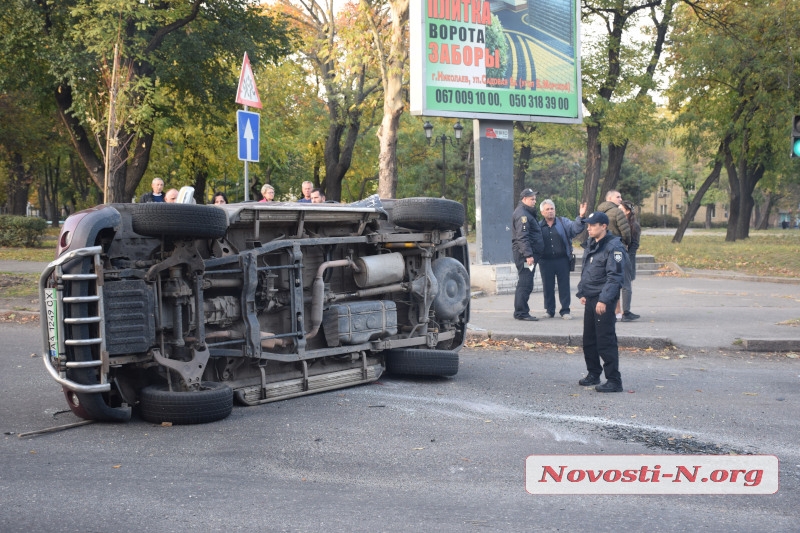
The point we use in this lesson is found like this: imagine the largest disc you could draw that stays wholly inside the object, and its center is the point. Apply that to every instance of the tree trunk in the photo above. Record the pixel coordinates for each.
(338, 156)
(393, 105)
(48, 191)
(762, 212)
(519, 170)
(747, 184)
(733, 210)
(387, 159)
(694, 205)
(593, 160)
(18, 187)
(467, 192)
(616, 156)
(200, 179)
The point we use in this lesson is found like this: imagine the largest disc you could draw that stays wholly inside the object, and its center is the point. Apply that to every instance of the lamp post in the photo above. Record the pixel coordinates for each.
(443, 139)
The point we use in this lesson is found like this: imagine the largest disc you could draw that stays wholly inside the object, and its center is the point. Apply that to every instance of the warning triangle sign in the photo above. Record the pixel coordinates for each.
(247, 93)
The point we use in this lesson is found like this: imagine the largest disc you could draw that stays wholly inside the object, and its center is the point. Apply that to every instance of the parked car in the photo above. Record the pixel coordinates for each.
(175, 310)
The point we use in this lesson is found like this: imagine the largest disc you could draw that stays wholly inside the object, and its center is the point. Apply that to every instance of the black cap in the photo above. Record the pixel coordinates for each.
(526, 193)
(598, 217)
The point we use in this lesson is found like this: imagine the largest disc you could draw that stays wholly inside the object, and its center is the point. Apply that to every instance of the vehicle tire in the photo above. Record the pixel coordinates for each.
(454, 288)
(417, 362)
(426, 214)
(214, 401)
(179, 220)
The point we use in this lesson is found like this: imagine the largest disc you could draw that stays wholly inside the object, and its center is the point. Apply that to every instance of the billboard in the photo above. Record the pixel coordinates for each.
(496, 59)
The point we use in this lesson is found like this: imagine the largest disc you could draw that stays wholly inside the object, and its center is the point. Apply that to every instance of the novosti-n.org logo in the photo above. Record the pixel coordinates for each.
(651, 474)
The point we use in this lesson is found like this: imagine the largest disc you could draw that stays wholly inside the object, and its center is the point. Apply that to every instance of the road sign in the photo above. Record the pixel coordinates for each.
(247, 127)
(247, 93)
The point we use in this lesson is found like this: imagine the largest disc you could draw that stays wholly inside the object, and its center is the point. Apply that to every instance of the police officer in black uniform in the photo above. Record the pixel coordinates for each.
(527, 246)
(601, 280)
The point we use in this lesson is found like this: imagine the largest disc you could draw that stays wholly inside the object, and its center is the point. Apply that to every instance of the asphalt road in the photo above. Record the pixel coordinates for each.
(404, 454)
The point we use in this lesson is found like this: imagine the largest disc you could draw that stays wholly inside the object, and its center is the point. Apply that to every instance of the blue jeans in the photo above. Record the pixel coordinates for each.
(552, 271)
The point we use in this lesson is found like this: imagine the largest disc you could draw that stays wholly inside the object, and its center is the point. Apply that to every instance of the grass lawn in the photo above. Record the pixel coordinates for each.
(766, 253)
(19, 285)
(45, 252)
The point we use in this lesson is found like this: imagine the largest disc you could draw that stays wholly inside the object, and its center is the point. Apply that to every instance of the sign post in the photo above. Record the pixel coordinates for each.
(247, 124)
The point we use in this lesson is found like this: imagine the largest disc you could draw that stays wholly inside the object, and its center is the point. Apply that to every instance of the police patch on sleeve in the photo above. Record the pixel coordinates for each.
(618, 256)
(524, 220)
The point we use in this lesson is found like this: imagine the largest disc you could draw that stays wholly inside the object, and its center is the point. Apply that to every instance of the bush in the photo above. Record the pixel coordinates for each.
(21, 231)
(651, 220)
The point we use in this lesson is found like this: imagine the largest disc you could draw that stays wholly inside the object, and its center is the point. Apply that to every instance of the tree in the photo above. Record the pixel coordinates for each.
(619, 72)
(337, 52)
(391, 48)
(184, 48)
(730, 89)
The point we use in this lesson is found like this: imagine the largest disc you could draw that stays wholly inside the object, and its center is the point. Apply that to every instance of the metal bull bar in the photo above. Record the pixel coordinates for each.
(52, 318)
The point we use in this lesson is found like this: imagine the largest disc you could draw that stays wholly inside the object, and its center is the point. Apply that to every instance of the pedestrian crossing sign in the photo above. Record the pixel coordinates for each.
(247, 93)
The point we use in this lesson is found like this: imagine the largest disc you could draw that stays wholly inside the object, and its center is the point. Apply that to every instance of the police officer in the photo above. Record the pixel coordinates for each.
(527, 246)
(601, 281)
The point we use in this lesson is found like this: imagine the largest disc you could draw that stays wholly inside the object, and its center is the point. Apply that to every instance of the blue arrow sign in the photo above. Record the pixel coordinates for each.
(248, 127)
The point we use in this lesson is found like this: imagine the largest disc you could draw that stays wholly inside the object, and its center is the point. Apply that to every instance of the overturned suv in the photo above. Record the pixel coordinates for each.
(177, 309)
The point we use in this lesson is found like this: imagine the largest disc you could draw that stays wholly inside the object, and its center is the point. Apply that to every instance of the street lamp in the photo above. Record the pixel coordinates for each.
(443, 139)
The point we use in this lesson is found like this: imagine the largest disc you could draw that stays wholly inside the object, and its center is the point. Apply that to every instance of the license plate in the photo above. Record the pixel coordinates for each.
(51, 318)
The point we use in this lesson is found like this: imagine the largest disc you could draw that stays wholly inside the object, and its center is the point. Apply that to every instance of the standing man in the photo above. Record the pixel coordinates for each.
(601, 280)
(306, 187)
(557, 234)
(158, 185)
(527, 247)
(618, 222)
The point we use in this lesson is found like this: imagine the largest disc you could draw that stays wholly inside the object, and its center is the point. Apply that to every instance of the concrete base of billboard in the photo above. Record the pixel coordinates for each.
(498, 279)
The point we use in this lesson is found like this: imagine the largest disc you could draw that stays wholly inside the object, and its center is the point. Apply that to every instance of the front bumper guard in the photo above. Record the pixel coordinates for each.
(52, 319)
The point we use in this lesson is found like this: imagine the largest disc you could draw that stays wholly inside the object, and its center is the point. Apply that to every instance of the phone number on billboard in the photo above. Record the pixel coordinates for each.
(530, 101)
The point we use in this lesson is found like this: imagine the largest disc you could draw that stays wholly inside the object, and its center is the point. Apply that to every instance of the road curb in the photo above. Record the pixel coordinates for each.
(771, 345)
(624, 341)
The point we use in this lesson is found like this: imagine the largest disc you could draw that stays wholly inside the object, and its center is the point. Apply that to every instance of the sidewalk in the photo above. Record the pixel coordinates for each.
(691, 311)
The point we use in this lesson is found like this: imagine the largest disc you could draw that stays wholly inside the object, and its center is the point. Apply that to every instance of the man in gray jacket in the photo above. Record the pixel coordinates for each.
(527, 247)
(601, 280)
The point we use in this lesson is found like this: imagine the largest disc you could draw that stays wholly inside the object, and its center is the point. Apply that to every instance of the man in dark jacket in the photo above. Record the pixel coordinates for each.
(601, 280)
(557, 234)
(527, 247)
(156, 195)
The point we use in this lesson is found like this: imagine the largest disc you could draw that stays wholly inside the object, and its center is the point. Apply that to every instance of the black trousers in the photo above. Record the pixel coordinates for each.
(552, 271)
(524, 288)
(600, 341)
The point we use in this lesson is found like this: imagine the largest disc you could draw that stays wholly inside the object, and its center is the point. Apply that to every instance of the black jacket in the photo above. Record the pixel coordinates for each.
(567, 229)
(147, 197)
(527, 237)
(603, 267)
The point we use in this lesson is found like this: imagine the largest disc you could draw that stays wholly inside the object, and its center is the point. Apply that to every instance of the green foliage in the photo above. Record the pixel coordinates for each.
(179, 62)
(21, 231)
(730, 81)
